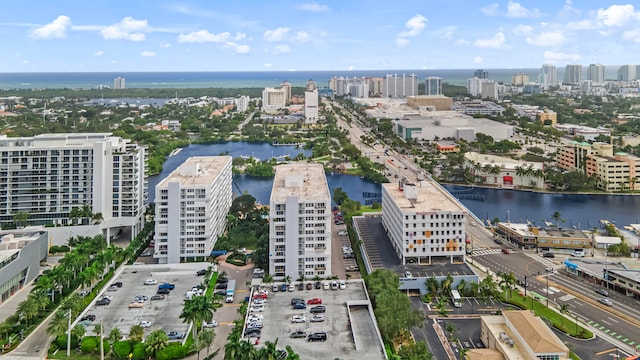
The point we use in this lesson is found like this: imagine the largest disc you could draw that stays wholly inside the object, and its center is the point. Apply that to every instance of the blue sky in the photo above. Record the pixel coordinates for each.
(209, 35)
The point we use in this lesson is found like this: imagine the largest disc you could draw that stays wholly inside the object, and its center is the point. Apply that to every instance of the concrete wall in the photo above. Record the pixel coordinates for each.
(419, 283)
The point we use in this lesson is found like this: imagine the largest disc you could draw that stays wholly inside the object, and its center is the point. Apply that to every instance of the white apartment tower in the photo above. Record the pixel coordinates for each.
(286, 86)
(433, 86)
(573, 74)
(274, 98)
(548, 76)
(311, 103)
(423, 222)
(48, 175)
(300, 222)
(399, 87)
(627, 73)
(242, 103)
(118, 83)
(192, 204)
(595, 73)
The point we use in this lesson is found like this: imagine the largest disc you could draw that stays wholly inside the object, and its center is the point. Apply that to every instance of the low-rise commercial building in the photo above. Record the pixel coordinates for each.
(527, 236)
(431, 102)
(191, 209)
(448, 124)
(504, 172)
(21, 252)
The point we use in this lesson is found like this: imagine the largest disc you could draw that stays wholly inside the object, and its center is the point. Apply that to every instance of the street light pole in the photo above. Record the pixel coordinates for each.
(69, 336)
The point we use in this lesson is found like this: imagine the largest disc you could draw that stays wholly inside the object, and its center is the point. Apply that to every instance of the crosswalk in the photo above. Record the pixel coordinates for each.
(486, 252)
(540, 259)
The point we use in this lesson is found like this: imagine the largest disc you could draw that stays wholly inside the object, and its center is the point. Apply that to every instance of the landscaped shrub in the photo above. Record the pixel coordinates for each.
(173, 351)
(122, 349)
(62, 342)
(138, 352)
(89, 344)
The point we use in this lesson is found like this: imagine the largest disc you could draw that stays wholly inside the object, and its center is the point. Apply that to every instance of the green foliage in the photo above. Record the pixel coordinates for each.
(122, 349)
(89, 344)
(172, 351)
(139, 351)
(415, 351)
(62, 342)
(339, 195)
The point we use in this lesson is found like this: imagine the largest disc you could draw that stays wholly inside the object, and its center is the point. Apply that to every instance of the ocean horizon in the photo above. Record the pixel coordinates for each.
(229, 79)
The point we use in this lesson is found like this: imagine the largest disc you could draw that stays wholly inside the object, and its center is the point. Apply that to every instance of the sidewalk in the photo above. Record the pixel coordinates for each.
(10, 306)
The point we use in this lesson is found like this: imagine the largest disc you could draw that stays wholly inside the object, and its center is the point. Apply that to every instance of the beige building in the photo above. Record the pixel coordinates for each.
(519, 334)
(527, 236)
(423, 221)
(274, 98)
(548, 115)
(503, 172)
(437, 102)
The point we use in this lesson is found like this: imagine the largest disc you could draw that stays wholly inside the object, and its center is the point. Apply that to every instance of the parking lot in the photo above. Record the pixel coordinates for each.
(162, 314)
(338, 324)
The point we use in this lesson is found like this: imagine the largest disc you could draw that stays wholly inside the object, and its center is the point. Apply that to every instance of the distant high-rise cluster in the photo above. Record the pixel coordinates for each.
(628, 72)
(311, 103)
(356, 87)
(595, 73)
(573, 74)
(118, 83)
(399, 87)
(548, 76)
(481, 74)
(519, 79)
(482, 87)
(433, 86)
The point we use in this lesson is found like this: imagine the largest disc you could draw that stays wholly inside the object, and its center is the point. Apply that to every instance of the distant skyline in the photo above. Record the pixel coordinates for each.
(277, 35)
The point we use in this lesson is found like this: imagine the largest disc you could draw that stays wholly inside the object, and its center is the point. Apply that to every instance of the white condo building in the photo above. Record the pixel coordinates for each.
(300, 222)
(274, 98)
(548, 76)
(399, 87)
(423, 221)
(311, 103)
(119, 83)
(192, 204)
(242, 103)
(48, 175)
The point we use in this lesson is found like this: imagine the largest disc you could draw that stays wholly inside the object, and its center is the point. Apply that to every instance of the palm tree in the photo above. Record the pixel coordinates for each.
(115, 335)
(156, 341)
(136, 334)
(58, 324)
(557, 217)
(433, 285)
(97, 218)
(287, 279)
(28, 309)
(446, 285)
(21, 219)
(269, 351)
(86, 212)
(78, 332)
(197, 310)
(40, 297)
(462, 287)
(564, 309)
(206, 339)
(233, 347)
(75, 213)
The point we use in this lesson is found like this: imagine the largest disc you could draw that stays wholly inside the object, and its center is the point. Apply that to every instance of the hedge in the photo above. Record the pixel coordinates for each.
(139, 352)
(122, 349)
(89, 344)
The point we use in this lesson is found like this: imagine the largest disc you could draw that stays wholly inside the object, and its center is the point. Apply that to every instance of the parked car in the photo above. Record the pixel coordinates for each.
(298, 319)
(292, 287)
(342, 285)
(318, 285)
(136, 305)
(548, 255)
(296, 300)
(117, 284)
(112, 288)
(497, 241)
(309, 286)
(506, 251)
(339, 222)
(84, 293)
(257, 308)
(342, 232)
(167, 286)
(605, 301)
(298, 334)
(275, 288)
(314, 301)
(602, 292)
(174, 335)
(201, 272)
(146, 254)
(318, 309)
(221, 286)
(258, 272)
(255, 317)
(260, 295)
(211, 324)
(89, 317)
(325, 285)
(317, 318)
(300, 286)
(220, 293)
(163, 292)
(298, 306)
(145, 324)
(408, 274)
(255, 325)
(259, 301)
(157, 297)
(151, 282)
(103, 302)
(319, 336)
(283, 287)
(578, 253)
(334, 285)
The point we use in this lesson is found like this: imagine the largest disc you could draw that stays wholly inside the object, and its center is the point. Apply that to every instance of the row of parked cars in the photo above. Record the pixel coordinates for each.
(316, 315)
(326, 285)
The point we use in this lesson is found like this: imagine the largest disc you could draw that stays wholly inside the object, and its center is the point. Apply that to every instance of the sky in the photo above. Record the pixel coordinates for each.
(210, 35)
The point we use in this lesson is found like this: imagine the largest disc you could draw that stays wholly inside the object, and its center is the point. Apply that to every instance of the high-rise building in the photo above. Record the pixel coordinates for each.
(573, 74)
(481, 74)
(311, 103)
(476, 87)
(286, 86)
(423, 221)
(242, 103)
(595, 73)
(274, 98)
(399, 87)
(300, 222)
(49, 175)
(627, 73)
(433, 86)
(191, 209)
(548, 76)
(519, 79)
(118, 83)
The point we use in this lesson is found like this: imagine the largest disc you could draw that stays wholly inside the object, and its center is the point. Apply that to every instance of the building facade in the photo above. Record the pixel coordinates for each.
(242, 103)
(595, 73)
(548, 76)
(423, 222)
(49, 175)
(300, 222)
(399, 87)
(573, 74)
(627, 73)
(273, 98)
(311, 100)
(192, 204)
(21, 252)
(481, 74)
(118, 83)
(433, 85)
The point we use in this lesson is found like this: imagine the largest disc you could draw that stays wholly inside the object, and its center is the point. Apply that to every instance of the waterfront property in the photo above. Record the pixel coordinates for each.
(423, 221)
(48, 176)
(191, 209)
(527, 236)
(300, 222)
(504, 172)
(20, 255)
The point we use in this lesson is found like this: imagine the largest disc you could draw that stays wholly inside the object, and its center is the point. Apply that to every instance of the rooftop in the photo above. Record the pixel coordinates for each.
(539, 338)
(197, 170)
(430, 198)
(303, 180)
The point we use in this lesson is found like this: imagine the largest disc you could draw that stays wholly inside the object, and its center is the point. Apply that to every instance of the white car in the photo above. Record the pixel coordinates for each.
(255, 317)
(145, 324)
(334, 285)
(578, 253)
(298, 319)
(317, 318)
(211, 324)
(257, 308)
(259, 301)
(151, 282)
(342, 232)
(325, 285)
(342, 285)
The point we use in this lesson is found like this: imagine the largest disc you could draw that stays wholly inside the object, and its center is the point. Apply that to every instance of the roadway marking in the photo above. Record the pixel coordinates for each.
(608, 323)
(612, 319)
(606, 351)
(625, 340)
(566, 298)
(631, 343)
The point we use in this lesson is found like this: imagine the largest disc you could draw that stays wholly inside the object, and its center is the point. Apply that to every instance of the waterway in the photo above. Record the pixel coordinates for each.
(577, 210)
(260, 187)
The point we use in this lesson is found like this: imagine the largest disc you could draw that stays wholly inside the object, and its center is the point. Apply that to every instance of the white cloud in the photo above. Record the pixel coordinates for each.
(238, 48)
(240, 36)
(147, 53)
(268, 65)
(552, 56)
(204, 36)
(478, 60)
(301, 36)
(515, 9)
(127, 29)
(165, 45)
(546, 39)
(633, 35)
(280, 49)
(617, 15)
(54, 30)
(276, 34)
(414, 26)
(522, 30)
(581, 25)
(98, 53)
(351, 68)
(498, 41)
(462, 42)
(490, 10)
(313, 6)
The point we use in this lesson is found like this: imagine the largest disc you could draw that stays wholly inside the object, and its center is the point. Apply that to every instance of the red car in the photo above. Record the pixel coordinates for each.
(260, 296)
(314, 301)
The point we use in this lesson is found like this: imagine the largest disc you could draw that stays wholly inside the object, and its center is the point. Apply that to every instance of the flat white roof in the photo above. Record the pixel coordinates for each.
(197, 170)
(430, 198)
(608, 240)
(304, 180)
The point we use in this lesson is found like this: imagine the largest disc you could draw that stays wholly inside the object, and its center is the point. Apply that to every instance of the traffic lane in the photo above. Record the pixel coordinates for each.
(519, 263)
(595, 349)
(427, 333)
